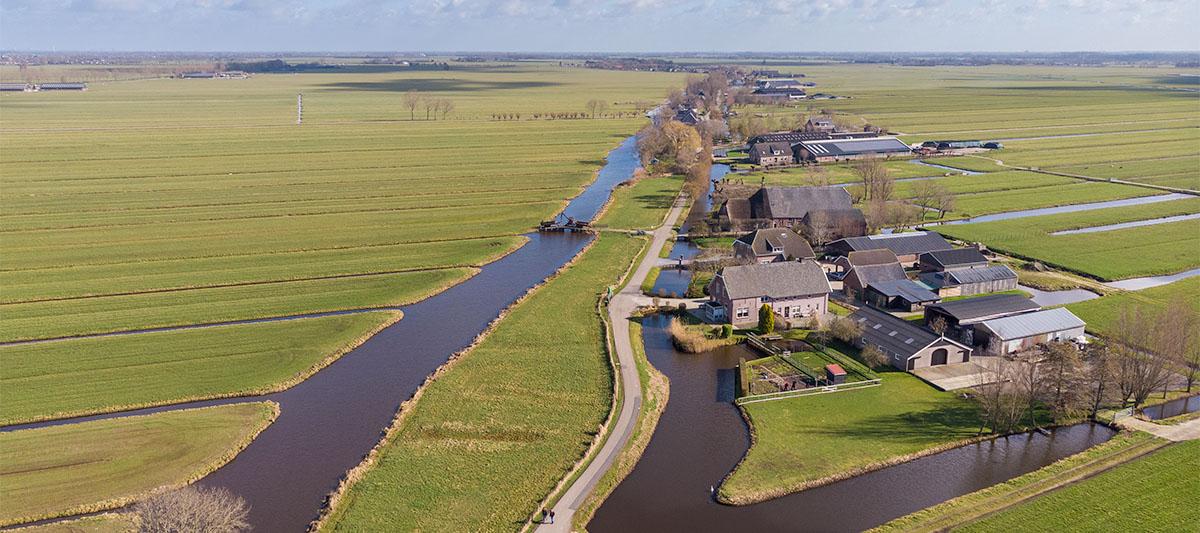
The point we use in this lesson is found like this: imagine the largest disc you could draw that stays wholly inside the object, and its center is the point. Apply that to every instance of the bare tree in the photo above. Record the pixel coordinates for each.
(816, 176)
(1178, 337)
(938, 325)
(412, 99)
(1098, 373)
(1063, 368)
(675, 97)
(1139, 371)
(596, 106)
(878, 184)
(819, 227)
(1000, 404)
(431, 106)
(846, 330)
(873, 356)
(445, 106)
(211, 510)
(1028, 383)
(944, 201)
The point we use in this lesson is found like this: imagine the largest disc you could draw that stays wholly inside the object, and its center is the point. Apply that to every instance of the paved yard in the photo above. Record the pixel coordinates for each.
(959, 376)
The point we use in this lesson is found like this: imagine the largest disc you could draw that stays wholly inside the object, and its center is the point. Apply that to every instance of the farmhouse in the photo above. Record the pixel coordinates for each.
(907, 246)
(907, 345)
(771, 245)
(962, 316)
(824, 124)
(687, 116)
(859, 270)
(829, 151)
(771, 154)
(899, 294)
(971, 281)
(794, 290)
(781, 207)
(1002, 336)
(958, 258)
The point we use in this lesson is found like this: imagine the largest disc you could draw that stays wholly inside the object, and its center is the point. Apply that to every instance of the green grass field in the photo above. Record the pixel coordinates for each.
(1107, 255)
(83, 376)
(102, 464)
(1154, 493)
(802, 440)
(165, 202)
(642, 205)
(493, 434)
(1101, 313)
(105, 523)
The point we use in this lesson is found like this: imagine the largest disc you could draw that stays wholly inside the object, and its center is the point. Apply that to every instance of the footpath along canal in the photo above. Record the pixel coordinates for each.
(330, 421)
(701, 436)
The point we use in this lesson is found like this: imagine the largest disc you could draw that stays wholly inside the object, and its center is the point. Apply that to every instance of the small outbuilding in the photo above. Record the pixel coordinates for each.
(907, 246)
(955, 259)
(835, 374)
(971, 281)
(899, 294)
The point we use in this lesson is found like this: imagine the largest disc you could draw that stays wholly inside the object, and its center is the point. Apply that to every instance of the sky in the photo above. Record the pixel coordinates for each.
(600, 25)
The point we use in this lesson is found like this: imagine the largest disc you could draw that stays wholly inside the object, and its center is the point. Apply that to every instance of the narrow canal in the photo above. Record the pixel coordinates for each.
(330, 421)
(701, 436)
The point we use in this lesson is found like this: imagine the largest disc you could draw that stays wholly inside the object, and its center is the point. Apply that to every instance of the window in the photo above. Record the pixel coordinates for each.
(743, 312)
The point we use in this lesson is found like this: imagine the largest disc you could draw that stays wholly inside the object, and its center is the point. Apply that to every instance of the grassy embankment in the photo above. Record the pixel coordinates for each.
(104, 464)
(643, 204)
(1107, 255)
(497, 429)
(958, 511)
(1154, 493)
(227, 210)
(809, 441)
(103, 523)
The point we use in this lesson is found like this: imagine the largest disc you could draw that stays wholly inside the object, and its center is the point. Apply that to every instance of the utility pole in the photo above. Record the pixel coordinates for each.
(299, 108)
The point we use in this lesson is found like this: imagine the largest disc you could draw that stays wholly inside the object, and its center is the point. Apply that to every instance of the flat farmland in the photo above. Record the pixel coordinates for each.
(1107, 255)
(171, 202)
(1101, 314)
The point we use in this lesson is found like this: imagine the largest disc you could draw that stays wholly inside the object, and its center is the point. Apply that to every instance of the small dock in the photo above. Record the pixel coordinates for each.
(570, 224)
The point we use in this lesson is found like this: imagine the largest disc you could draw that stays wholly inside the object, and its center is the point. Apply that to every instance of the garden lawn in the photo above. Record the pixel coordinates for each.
(102, 464)
(495, 432)
(1101, 314)
(1106, 255)
(83, 376)
(1154, 493)
(642, 205)
(799, 441)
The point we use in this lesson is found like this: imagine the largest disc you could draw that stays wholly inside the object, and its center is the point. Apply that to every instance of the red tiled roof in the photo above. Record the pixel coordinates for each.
(835, 369)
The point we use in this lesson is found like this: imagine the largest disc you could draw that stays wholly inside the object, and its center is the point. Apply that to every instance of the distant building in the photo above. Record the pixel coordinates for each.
(963, 316)
(688, 116)
(907, 345)
(907, 246)
(790, 137)
(1010, 334)
(971, 281)
(771, 246)
(771, 154)
(197, 75)
(795, 290)
(16, 87)
(61, 87)
(820, 124)
(780, 93)
(782, 207)
(833, 150)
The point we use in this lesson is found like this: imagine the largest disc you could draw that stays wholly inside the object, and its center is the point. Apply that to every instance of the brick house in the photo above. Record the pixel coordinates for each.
(795, 290)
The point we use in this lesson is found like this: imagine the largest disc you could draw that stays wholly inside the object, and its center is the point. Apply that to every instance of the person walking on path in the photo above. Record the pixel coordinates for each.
(542, 519)
(552, 516)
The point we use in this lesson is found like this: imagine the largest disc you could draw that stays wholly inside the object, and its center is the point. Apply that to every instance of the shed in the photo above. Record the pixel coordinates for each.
(1020, 332)
(971, 281)
(835, 373)
(907, 246)
(958, 258)
(901, 294)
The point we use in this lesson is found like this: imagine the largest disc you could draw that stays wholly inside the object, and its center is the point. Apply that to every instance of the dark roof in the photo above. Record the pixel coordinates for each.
(771, 149)
(820, 121)
(795, 202)
(790, 137)
(891, 334)
(986, 307)
(765, 241)
(687, 116)
(980, 275)
(908, 290)
(847, 147)
(837, 217)
(777, 280)
(738, 208)
(901, 243)
(779, 91)
(881, 256)
(953, 258)
(871, 274)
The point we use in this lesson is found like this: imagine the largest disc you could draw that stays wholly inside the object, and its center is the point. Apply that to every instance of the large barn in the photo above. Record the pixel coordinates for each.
(907, 345)
(833, 150)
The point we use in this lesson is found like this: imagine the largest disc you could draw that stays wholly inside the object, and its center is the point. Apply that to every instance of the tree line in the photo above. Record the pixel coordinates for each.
(433, 107)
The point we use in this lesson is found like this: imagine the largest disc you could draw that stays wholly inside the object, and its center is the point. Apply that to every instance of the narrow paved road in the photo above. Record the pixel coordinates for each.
(620, 309)
(1189, 430)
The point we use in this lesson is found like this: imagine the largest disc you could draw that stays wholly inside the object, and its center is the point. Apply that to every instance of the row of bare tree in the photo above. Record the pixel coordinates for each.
(432, 106)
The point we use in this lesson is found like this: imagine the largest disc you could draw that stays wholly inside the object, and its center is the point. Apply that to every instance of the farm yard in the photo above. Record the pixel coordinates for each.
(167, 202)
